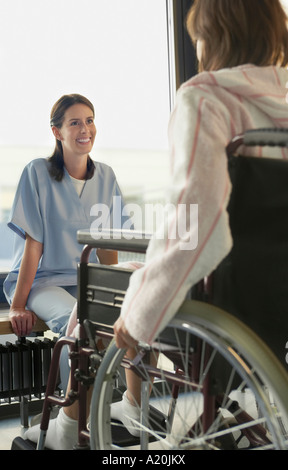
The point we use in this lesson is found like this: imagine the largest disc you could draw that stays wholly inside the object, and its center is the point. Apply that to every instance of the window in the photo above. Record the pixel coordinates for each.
(285, 4)
(115, 53)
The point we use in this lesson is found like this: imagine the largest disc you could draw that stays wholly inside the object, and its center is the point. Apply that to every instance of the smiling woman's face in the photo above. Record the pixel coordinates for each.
(78, 131)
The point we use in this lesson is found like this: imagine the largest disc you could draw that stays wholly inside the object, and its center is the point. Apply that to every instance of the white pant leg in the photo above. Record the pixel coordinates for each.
(53, 305)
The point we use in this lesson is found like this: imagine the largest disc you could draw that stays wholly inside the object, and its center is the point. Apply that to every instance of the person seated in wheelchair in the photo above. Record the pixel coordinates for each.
(242, 49)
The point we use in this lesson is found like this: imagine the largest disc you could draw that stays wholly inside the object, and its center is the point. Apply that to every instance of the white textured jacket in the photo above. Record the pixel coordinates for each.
(211, 109)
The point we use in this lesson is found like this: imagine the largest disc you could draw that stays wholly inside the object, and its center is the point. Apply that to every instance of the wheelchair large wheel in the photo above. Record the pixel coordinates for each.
(216, 386)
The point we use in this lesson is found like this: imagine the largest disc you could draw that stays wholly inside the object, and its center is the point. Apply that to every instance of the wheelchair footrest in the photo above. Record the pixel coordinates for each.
(122, 437)
(23, 444)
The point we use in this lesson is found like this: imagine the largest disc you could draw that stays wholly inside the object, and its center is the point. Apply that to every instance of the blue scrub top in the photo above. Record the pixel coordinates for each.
(51, 212)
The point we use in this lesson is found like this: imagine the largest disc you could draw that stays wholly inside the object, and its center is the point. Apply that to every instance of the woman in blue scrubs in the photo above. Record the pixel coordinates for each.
(53, 200)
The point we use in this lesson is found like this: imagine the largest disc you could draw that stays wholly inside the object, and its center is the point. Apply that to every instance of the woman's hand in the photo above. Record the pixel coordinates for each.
(22, 320)
(122, 337)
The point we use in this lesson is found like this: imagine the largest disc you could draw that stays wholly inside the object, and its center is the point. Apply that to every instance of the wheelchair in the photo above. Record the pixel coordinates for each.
(216, 378)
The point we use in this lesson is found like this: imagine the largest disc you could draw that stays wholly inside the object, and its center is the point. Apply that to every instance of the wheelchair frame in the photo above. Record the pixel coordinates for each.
(84, 355)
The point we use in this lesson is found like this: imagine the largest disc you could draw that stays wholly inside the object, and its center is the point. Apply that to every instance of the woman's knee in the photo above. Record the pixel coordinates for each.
(53, 305)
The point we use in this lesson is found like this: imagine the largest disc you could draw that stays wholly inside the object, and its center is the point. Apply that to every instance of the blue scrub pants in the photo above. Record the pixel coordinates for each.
(54, 306)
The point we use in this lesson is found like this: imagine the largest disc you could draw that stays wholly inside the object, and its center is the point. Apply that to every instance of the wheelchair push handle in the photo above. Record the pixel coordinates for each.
(271, 137)
(119, 240)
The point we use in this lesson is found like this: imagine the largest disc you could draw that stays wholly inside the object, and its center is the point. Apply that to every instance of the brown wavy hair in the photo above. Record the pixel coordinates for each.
(56, 119)
(237, 32)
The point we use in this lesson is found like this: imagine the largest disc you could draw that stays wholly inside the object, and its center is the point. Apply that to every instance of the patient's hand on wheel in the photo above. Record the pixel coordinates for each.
(122, 337)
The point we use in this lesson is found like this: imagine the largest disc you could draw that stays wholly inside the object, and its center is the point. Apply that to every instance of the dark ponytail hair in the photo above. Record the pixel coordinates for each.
(56, 120)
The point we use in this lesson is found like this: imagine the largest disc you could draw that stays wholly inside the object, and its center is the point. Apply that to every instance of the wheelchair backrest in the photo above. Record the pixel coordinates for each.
(252, 281)
(101, 291)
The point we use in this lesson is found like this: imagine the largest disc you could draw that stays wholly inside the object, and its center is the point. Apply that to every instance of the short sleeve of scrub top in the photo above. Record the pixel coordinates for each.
(26, 213)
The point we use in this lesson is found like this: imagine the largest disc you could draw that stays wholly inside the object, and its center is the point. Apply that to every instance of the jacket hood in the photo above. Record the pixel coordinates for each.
(264, 87)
